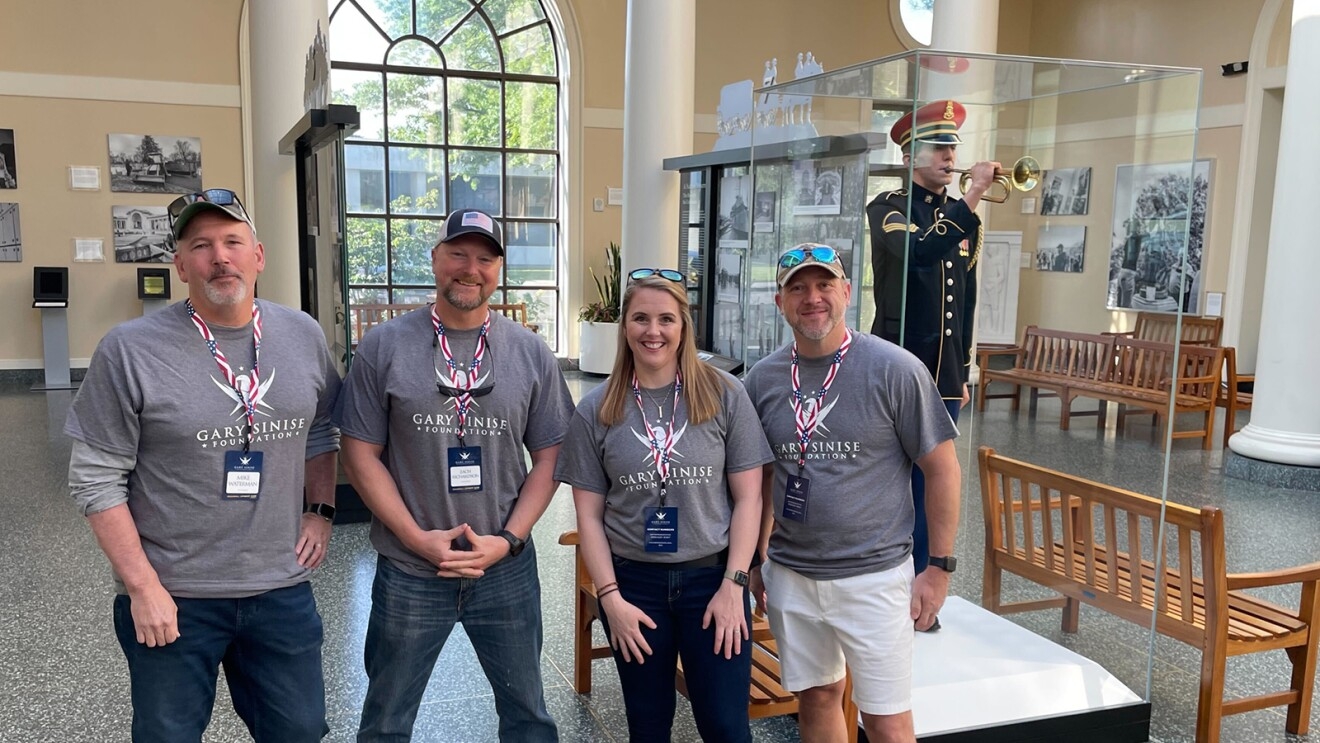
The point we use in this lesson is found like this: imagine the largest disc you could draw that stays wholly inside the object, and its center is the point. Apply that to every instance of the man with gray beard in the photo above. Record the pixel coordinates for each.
(437, 412)
(204, 461)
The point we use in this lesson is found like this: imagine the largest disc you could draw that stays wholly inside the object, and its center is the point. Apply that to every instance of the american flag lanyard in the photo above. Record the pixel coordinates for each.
(459, 380)
(660, 452)
(806, 420)
(247, 394)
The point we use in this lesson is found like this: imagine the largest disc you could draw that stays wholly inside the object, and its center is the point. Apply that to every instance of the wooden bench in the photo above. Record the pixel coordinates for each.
(1162, 327)
(367, 316)
(1095, 544)
(1232, 395)
(766, 697)
(1052, 360)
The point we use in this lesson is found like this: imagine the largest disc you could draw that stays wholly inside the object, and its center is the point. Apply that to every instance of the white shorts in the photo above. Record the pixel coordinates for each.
(863, 621)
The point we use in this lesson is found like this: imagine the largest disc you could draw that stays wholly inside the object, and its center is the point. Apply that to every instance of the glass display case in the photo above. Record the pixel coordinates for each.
(1099, 233)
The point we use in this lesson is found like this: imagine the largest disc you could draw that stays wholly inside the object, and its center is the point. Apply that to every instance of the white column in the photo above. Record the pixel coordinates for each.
(657, 123)
(279, 34)
(1285, 413)
(965, 26)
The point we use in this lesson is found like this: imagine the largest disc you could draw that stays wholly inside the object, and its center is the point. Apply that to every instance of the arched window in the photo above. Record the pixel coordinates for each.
(912, 20)
(459, 102)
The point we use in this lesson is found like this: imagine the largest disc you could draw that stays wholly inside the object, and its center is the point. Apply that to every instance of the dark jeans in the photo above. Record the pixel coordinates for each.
(270, 646)
(411, 619)
(920, 536)
(676, 601)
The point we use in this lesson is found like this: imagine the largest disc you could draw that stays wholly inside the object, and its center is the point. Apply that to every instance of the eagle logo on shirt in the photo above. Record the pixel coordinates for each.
(462, 377)
(809, 404)
(660, 434)
(244, 384)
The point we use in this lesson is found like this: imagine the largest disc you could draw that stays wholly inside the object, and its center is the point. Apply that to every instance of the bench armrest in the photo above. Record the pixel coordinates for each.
(569, 537)
(1300, 574)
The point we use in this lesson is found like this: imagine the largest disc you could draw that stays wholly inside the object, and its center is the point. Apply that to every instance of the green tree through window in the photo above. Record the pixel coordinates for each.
(459, 101)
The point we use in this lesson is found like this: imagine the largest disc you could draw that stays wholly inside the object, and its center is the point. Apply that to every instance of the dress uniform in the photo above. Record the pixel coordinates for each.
(928, 244)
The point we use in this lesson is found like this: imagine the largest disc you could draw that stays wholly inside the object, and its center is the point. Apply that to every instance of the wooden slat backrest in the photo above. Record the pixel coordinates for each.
(1149, 365)
(367, 316)
(1076, 355)
(1160, 327)
(1108, 544)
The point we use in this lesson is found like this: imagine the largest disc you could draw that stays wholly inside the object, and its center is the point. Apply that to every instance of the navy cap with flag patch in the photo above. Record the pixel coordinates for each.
(472, 222)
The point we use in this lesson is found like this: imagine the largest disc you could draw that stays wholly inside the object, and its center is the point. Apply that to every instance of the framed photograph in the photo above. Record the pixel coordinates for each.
(152, 163)
(764, 220)
(1066, 191)
(1156, 207)
(142, 234)
(735, 219)
(728, 276)
(819, 189)
(11, 237)
(1061, 248)
(8, 160)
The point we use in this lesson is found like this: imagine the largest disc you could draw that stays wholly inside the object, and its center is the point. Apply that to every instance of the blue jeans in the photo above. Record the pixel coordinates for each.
(676, 601)
(920, 535)
(270, 646)
(411, 619)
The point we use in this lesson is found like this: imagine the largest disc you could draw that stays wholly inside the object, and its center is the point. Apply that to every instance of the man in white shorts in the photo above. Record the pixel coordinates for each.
(838, 514)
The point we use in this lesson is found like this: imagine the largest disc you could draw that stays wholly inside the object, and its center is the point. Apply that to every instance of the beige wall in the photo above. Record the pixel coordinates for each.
(80, 49)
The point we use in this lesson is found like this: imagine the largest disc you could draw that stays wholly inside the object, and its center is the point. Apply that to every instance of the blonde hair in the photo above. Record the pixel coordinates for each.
(702, 384)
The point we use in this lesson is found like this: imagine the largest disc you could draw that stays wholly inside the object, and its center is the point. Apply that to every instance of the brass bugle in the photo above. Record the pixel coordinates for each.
(1023, 176)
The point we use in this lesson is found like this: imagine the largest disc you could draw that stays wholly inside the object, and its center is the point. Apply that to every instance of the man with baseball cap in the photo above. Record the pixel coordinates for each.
(437, 411)
(837, 579)
(928, 241)
(204, 461)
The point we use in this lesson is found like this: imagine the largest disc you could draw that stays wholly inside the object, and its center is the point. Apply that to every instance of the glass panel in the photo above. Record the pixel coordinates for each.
(417, 180)
(414, 53)
(364, 178)
(507, 15)
(532, 181)
(417, 106)
(474, 112)
(392, 15)
(364, 90)
(354, 39)
(366, 251)
(414, 296)
(542, 310)
(530, 115)
(472, 47)
(474, 181)
(411, 241)
(530, 251)
(530, 52)
(436, 18)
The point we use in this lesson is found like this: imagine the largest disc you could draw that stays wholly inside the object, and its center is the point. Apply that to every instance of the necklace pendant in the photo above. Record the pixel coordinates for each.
(659, 411)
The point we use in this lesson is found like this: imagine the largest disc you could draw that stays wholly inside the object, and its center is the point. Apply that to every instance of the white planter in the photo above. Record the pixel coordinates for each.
(598, 343)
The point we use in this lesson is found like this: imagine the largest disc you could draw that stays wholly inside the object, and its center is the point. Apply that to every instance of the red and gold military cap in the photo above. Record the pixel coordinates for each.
(937, 122)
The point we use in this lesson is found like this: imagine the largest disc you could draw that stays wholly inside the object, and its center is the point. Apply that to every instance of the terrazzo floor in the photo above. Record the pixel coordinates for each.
(63, 678)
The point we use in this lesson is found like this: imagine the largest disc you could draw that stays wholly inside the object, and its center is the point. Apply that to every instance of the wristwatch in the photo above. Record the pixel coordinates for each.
(947, 564)
(324, 510)
(516, 545)
(737, 576)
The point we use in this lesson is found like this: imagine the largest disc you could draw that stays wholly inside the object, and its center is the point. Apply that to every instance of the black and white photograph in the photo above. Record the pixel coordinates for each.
(764, 219)
(142, 234)
(728, 276)
(735, 221)
(1158, 209)
(8, 160)
(1061, 248)
(152, 163)
(819, 189)
(11, 237)
(1066, 191)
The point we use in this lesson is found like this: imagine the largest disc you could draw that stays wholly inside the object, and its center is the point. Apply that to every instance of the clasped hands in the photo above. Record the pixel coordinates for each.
(437, 546)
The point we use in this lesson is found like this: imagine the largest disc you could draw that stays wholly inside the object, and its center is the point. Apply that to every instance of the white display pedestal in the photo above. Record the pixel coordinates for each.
(983, 678)
(55, 349)
(597, 346)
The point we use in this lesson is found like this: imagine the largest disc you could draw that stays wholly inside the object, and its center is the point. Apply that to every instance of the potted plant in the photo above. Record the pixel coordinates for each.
(599, 321)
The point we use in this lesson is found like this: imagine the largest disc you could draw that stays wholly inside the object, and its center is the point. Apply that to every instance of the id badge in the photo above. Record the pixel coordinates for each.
(795, 498)
(661, 529)
(465, 469)
(242, 475)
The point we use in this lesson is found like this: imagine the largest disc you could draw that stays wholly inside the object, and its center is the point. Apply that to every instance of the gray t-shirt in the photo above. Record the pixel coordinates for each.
(617, 461)
(153, 392)
(391, 398)
(881, 414)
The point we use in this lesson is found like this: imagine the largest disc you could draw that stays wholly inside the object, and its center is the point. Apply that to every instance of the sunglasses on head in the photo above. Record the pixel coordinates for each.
(217, 196)
(638, 274)
(819, 254)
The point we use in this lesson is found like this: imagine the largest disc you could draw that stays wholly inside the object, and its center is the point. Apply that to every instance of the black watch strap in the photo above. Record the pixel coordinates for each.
(324, 510)
(516, 545)
(947, 564)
